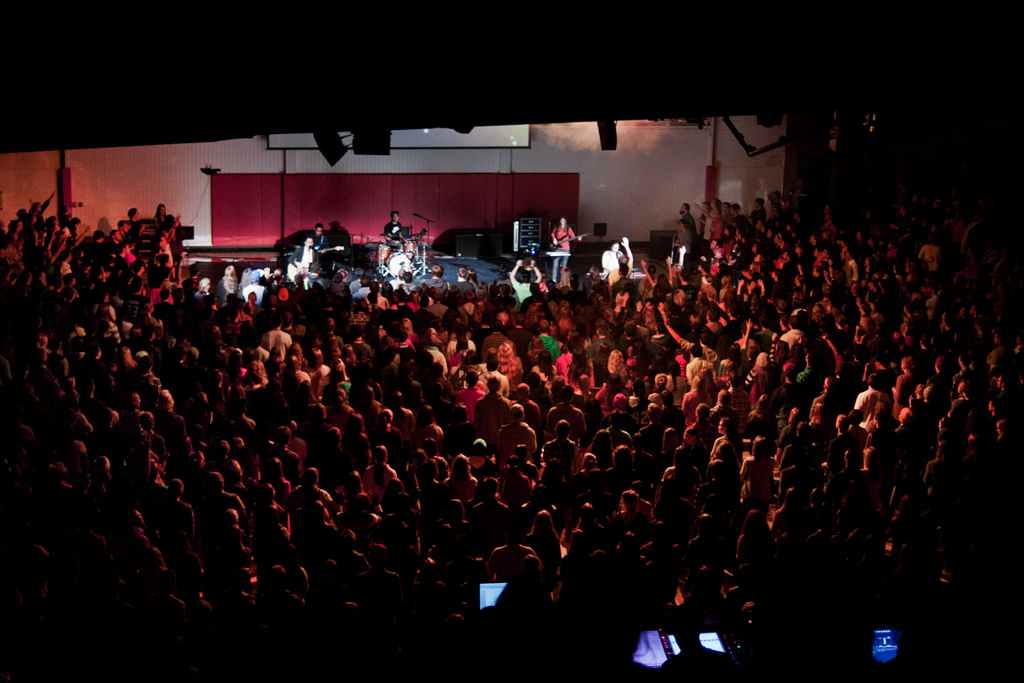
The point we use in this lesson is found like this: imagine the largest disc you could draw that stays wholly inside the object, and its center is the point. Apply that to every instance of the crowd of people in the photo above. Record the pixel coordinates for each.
(806, 431)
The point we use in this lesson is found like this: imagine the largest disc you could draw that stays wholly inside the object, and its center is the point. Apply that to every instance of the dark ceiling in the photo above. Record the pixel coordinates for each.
(187, 80)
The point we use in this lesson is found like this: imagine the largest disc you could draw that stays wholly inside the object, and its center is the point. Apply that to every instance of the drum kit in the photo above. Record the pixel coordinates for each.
(408, 254)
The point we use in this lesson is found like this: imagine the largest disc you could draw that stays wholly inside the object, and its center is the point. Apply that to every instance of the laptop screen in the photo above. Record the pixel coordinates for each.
(711, 641)
(886, 645)
(650, 651)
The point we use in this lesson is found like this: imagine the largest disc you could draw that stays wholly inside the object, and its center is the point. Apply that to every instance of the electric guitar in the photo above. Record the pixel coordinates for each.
(554, 245)
(295, 271)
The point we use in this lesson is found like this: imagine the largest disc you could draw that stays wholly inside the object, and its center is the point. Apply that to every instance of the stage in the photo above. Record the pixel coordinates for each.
(212, 262)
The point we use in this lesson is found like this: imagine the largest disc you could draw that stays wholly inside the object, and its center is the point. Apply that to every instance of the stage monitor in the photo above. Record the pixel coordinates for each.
(482, 246)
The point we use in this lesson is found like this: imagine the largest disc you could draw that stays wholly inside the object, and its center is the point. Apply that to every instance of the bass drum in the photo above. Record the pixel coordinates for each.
(398, 263)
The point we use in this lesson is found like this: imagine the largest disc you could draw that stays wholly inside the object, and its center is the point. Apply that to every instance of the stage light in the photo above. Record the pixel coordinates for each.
(609, 138)
(331, 146)
(375, 141)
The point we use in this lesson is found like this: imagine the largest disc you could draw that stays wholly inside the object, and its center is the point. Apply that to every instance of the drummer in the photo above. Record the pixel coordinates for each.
(394, 231)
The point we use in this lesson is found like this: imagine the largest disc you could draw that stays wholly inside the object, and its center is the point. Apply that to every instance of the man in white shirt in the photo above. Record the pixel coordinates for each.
(790, 334)
(305, 259)
(491, 370)
(275, 338)
(254, 286)
(868, 401)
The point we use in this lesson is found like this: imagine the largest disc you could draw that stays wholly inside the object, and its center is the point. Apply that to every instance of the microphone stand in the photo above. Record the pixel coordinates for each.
(428, 224)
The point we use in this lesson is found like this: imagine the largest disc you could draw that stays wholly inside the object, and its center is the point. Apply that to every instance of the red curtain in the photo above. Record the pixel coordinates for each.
(256, 209)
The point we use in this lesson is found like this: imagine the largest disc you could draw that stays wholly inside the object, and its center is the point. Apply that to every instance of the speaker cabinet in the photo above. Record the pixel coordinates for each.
(660, 247)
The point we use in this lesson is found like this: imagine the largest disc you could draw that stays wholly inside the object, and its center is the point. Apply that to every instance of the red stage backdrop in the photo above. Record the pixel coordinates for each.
(261, 209)
(245, 210)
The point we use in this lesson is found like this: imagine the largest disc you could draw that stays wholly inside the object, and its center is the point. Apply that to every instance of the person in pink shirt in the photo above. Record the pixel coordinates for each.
(471, 394)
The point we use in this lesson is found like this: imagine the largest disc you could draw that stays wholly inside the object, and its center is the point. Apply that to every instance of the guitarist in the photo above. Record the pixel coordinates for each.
(305, 260)
(319, 238)
(561, 237)
(323, 248)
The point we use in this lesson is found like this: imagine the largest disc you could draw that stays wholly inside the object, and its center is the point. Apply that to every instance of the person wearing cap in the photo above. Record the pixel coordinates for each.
(254, 286)
(481, 463)
(513, 435)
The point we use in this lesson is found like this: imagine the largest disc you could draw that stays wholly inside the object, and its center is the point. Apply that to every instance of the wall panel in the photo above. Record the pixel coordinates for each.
(248, 209)
(634, 189)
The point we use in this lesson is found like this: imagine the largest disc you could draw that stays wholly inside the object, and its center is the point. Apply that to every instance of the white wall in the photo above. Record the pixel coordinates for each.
(110, 181)
(635, 189)
(25, 178)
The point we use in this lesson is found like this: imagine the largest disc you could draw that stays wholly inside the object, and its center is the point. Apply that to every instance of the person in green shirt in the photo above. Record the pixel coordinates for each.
(522, 289)
(550, 343)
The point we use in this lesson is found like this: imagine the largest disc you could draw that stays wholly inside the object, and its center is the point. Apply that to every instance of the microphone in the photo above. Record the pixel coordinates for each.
(419, 216)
